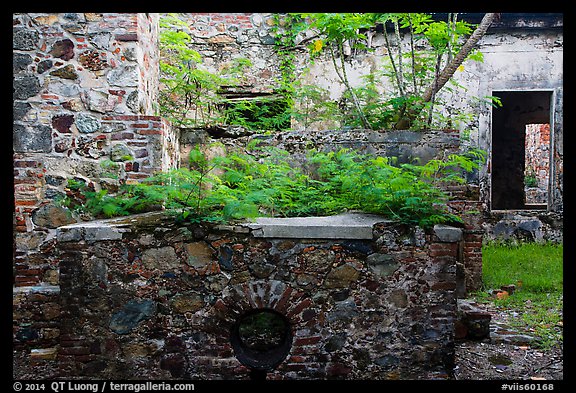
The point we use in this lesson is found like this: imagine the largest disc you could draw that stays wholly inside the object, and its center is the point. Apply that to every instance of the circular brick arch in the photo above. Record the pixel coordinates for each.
(293, 304)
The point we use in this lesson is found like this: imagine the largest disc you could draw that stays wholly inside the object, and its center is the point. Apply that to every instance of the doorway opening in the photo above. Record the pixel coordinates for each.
(520, 162)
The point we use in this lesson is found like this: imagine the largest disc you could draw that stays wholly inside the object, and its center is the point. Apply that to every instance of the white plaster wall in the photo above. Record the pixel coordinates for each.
(518, 61)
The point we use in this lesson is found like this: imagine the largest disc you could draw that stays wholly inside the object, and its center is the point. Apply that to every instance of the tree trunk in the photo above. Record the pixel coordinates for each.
(448, 71)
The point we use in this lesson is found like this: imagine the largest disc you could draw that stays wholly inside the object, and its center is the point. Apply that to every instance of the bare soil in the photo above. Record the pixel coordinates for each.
(492, 359)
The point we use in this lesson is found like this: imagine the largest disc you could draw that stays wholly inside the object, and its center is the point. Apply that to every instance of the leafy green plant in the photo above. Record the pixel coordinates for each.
(266, 113)
(413, 75)
(530, 180)
(338, 30)
(264, 183)
(190, 94)
(315, 105)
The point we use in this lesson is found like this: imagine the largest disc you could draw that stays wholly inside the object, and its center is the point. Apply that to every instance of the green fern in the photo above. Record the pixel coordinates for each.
(266, 184)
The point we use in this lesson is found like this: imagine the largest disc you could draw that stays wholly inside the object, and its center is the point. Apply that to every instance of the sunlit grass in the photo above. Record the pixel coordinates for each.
(534, 267)
(537, 272)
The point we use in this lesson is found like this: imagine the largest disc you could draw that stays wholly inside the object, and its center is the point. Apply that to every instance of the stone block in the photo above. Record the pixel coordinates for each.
(25, 39)
(447, 233)
(133, 312)
(36, 139)
(86, 123)
(126, 76)
(52, 216)
(342, 226)
(164, 258)
(69, 234)
(199, 254)
(382, 265)
(102, 233)
(20, 62)
(341, 276)
(24, 87)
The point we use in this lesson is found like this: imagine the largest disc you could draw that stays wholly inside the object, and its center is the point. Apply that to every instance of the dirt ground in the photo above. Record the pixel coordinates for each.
(492, 359)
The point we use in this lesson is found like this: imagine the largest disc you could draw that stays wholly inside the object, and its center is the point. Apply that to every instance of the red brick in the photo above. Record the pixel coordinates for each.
(300, 307)
(121, 117)
(73, 337)
(70, 342)
(127, 37)
(26, 202)
(307, 341)
(26, 280)
(27, 163)
(137, 176)
(29, 272)
(473, 244)
(74, 350)
(151, 132)
(122, 135)
(442, 286)
(440, 249)
(248, 296)
(141, 125)
(296, 359)
(220, 305)
(295, 367)
(26, 180)
(280, 306)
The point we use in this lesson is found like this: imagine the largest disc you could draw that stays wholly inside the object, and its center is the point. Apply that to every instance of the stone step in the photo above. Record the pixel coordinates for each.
(475, 323)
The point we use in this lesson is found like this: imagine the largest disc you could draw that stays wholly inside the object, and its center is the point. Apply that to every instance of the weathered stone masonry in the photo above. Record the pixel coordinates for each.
(84, 89)
(145, 298)
(158, 300)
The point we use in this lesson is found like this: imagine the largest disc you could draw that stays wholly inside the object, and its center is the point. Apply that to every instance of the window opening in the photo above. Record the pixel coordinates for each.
(256, 111)
(261, 340)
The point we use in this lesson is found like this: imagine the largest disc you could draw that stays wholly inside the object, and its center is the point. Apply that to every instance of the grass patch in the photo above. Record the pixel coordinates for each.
(537, 271)
(533, 267)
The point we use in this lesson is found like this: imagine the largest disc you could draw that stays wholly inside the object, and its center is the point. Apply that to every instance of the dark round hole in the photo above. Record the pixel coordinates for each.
(261, 339)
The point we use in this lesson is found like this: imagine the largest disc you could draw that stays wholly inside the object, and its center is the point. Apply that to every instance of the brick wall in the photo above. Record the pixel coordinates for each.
(537, 153)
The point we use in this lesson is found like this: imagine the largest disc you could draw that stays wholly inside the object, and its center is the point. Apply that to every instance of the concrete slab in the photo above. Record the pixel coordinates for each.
(341, 226)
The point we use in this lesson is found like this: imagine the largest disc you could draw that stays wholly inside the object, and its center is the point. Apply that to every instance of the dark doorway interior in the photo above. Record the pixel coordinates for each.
(510, 124)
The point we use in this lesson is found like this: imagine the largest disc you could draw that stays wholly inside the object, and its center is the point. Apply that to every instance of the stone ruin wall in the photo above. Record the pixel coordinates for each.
(84, 92)
(85, 85)
(521, 55)
(143, 297)
(83, 109)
